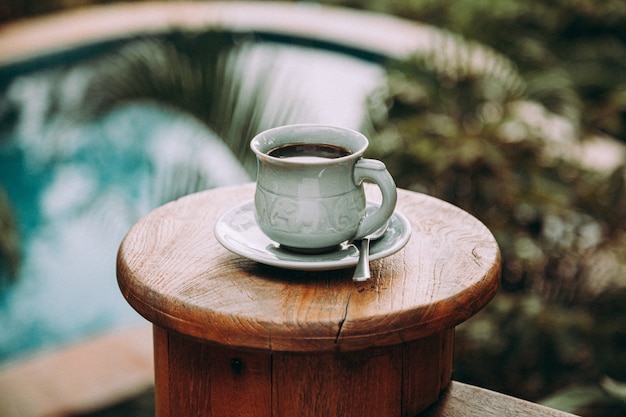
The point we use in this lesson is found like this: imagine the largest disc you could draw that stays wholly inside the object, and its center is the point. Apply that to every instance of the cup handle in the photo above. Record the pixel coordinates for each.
(375, 171)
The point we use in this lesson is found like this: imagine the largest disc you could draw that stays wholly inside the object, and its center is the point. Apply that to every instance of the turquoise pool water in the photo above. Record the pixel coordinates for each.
(74, 203)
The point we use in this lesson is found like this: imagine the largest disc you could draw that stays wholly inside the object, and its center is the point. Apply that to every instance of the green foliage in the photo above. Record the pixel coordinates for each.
(515, 149)
(525, 346)
(586, 400)
(500, 160)
(571, 53)
(520, 344)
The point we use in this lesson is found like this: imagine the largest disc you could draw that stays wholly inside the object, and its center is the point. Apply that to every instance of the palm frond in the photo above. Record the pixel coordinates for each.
(237, 87)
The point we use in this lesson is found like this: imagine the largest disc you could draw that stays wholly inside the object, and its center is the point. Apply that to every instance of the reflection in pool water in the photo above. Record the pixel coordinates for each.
(77, 185)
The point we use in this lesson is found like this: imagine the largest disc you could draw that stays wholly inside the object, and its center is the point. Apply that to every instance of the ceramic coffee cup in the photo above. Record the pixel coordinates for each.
(309, 194)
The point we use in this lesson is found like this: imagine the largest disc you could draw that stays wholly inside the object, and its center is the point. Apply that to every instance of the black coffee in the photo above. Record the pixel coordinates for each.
(308, 151)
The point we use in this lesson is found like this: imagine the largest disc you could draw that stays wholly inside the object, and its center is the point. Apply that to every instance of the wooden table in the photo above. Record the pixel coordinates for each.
(236, 338)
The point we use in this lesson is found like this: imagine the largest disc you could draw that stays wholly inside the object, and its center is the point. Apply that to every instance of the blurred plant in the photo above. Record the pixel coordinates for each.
(187, 72)
(218, 77)
(514, 145)
(528, 347)
(521, 170)
(571, 53)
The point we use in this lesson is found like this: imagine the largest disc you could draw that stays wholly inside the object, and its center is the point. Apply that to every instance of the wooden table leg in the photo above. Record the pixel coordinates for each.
(193, 377)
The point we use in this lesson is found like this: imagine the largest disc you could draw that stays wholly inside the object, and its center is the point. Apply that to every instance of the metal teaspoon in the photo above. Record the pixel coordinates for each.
(362, 271)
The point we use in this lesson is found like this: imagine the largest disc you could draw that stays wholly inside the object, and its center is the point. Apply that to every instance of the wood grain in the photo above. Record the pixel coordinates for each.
(462, 400)
(198, 379)
(427, 370)
(174, 273)
(355, 384)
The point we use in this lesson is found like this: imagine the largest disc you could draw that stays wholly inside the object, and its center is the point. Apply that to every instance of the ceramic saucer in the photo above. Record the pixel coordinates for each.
(238, 232)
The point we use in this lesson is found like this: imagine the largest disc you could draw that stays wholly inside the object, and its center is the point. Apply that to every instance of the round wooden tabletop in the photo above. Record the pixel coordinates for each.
(174, 272)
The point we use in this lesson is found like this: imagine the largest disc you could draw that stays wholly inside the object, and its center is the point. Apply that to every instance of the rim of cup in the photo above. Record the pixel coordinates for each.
(270, 139)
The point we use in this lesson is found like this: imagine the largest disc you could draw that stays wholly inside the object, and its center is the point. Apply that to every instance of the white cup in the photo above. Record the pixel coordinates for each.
(309, 194)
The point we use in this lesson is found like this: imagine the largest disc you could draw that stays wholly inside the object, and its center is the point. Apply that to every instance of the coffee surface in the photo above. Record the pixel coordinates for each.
(308, 151)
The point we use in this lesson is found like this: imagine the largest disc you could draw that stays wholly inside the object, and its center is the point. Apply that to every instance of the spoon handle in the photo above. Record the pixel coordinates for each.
(362, 271)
